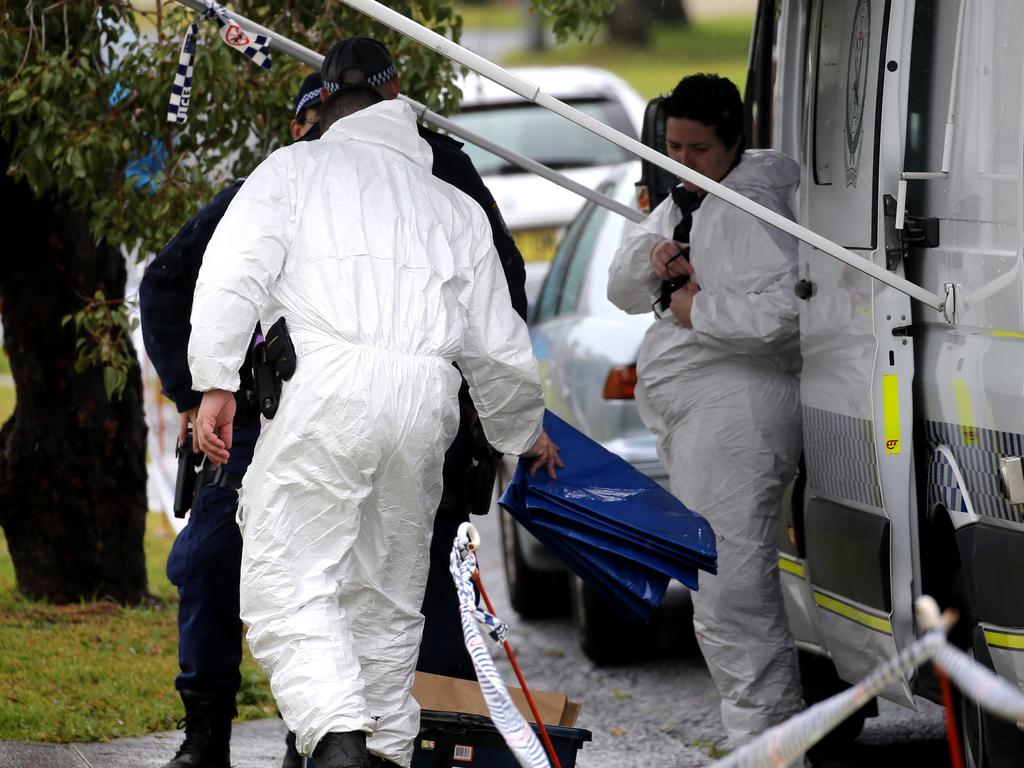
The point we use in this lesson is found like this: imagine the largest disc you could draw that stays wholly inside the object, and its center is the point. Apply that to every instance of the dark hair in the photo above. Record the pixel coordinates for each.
(345, 101)
(711, 100)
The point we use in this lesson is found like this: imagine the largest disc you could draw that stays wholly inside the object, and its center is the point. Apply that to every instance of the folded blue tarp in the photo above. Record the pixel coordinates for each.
(613, 526)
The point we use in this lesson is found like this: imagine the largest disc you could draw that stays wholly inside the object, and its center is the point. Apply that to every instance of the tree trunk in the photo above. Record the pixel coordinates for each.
(630, 22)
(72, 464)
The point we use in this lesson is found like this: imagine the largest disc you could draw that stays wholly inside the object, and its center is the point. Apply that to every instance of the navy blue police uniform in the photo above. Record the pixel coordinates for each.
(205, 560)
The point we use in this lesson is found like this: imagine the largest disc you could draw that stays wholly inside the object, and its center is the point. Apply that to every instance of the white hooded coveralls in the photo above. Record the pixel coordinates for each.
(386, 276)
(723, 400)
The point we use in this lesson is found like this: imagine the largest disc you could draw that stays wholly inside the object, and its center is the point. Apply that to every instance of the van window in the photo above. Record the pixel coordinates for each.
(843, 74)
(985, 163)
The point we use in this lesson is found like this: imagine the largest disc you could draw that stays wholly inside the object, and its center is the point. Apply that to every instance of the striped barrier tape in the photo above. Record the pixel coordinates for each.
(504, 714)
(787, 743)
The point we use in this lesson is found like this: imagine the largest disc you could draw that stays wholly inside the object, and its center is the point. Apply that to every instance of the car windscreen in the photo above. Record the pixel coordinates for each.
(544, 136)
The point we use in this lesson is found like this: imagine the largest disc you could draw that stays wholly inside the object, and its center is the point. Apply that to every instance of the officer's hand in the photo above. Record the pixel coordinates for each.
(184, 419)
(667, 262)
(545, 454)
(213, 424)
(682, 304)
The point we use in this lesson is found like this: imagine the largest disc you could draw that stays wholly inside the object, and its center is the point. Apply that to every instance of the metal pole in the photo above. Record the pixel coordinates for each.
(533, 93)
(315, 60)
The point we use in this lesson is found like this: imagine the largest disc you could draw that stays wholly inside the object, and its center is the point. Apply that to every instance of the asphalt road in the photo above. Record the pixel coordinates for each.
(664, 712)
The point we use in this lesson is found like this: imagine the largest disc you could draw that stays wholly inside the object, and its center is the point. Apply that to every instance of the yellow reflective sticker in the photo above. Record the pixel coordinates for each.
(854, 614)
(791, 566)
(1008, 334)
(891, 412)
(1004, 640)
(965, 411)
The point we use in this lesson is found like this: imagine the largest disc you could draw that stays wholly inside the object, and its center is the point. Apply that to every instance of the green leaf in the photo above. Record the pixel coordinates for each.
(110, 379)
(17, 95)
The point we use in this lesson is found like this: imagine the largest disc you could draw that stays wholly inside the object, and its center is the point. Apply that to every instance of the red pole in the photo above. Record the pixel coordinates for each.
(522, 681)
(952, 731)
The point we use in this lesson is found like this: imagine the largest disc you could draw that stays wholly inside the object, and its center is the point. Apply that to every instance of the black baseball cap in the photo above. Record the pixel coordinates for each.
(309, 94)
(357, 60)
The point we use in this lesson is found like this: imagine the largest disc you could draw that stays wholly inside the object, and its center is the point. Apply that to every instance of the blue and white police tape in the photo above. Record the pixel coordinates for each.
(786, 743)
(255, 47)
(506, 717)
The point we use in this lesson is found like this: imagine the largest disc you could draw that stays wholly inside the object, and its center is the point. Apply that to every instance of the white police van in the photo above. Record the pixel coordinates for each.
(906, 118)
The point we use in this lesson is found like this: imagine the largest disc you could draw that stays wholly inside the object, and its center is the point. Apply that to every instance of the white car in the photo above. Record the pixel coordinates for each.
(536, 210)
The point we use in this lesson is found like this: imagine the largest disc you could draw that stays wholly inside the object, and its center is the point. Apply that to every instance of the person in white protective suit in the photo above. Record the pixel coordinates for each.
(385, 277)
(718, 384)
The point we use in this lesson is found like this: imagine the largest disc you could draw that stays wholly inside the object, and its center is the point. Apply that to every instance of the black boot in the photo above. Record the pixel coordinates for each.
(292, 758)
(207, 724)
(342, 750)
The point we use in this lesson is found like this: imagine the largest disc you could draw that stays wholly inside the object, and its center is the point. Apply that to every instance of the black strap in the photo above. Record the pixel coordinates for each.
(217, 476)
(687, 202)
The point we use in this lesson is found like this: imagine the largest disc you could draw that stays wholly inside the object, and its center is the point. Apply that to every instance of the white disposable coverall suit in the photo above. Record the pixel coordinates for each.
(386, 276)
(723, 400)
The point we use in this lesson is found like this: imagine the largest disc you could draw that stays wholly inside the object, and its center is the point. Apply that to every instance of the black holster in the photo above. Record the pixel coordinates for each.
(482, 466)
(273, 364)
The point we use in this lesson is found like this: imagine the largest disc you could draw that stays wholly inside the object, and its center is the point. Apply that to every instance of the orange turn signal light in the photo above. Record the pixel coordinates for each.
(621, 383)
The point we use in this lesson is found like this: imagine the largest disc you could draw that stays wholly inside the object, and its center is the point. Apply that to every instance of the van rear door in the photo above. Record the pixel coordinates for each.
(860, 501)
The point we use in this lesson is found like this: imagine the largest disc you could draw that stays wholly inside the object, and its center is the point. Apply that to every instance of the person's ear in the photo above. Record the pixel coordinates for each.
(324, 95)
(393, 86)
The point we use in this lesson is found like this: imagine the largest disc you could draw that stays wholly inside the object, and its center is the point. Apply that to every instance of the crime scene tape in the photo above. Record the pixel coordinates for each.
(518, 734)
(787, 743)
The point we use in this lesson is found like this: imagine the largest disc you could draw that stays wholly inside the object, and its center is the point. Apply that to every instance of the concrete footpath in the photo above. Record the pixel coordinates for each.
(257, 744)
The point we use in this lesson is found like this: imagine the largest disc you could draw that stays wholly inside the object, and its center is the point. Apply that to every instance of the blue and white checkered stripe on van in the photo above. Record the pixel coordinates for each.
(840, 455)
(977, 452)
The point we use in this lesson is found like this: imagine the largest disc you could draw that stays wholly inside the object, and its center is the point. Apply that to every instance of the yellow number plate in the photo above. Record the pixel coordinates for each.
(537, 244)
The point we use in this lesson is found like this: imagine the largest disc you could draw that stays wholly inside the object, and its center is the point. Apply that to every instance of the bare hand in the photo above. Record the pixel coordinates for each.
(682, 304)
(545, 454)
(184, 419)
(213, 425)
(666, 261)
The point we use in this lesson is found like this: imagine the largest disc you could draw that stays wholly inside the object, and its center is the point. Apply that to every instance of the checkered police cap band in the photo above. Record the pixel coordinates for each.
(305, 101)
(364, 57)
(374, 81)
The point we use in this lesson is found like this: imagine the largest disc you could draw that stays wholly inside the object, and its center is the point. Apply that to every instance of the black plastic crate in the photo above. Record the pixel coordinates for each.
(456, 739)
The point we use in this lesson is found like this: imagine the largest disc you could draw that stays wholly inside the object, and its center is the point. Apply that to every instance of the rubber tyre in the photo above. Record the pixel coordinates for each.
(534, 594)
(986, 741)
(819, 680)
(605, 637)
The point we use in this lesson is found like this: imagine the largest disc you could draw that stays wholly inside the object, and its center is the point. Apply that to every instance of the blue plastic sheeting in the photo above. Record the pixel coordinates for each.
(613, 526)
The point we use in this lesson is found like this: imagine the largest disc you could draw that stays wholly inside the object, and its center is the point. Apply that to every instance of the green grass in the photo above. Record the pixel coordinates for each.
(716, 45)
(6, 402)
(490, 16)
(97, 671)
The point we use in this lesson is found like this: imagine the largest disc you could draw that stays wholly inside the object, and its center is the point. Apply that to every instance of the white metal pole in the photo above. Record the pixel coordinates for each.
(533, 93)
(315, 60)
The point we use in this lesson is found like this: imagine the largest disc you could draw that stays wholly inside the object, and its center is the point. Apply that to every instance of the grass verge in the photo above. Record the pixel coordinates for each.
(490, 16)
(716, 45)
(97, 671)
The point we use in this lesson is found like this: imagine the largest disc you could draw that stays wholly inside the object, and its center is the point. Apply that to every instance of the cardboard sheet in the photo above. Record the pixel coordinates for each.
(449, 694)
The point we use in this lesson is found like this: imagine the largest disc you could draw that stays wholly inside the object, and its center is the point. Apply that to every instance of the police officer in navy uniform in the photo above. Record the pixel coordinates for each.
(205, 559)
(204, 563)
